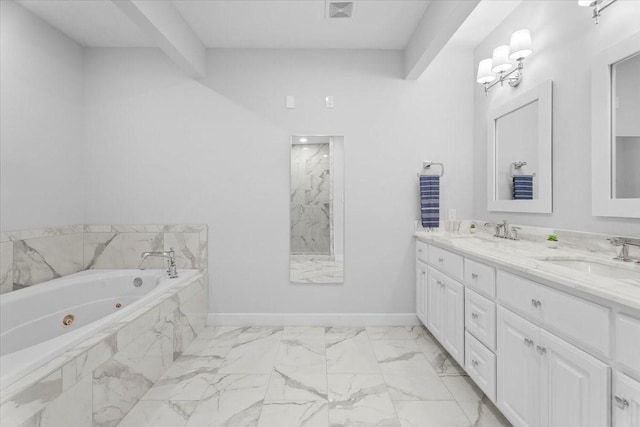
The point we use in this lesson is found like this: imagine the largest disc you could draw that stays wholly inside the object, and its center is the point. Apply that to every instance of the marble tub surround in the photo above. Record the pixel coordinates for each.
(526, 257)
(314, 377)
(100, 380)
(35, 256)
(40, 259)
(120, 246)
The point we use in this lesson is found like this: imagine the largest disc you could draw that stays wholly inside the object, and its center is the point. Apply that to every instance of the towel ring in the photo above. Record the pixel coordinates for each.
(517, 165)
(427, 165)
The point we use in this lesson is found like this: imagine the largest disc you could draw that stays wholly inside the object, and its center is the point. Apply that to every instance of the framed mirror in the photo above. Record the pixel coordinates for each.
(316, 251)
(615, 130)
(519, 146)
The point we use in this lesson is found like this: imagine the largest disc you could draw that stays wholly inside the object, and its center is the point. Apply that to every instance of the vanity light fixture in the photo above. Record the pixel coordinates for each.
(303, 139)
(597, 5)
(498, 66)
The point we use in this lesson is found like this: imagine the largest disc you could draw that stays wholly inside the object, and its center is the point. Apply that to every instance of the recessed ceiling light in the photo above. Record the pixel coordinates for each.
(303, 139)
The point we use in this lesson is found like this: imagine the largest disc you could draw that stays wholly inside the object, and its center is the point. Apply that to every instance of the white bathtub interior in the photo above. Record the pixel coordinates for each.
(31, 320)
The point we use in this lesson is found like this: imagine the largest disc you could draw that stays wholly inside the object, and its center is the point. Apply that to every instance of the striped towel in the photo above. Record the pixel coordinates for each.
(523, 187)
(430, 201)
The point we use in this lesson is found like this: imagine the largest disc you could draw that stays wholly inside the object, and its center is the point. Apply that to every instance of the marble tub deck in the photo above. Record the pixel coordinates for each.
(314, 376)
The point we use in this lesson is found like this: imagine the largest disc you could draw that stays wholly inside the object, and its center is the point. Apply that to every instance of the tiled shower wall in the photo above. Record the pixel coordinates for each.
(310, 199)
(35, 256)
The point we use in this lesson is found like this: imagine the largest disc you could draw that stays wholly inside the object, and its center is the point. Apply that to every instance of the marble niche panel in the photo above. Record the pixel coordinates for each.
(310, 199)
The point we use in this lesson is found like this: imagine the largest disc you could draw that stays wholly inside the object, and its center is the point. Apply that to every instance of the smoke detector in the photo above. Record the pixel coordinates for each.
(339, 9)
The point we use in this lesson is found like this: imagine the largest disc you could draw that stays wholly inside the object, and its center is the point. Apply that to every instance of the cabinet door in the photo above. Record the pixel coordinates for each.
(518, 395)
(626, 402)
(575, 385)
(421, 292)
(453, 319)
(435, 284)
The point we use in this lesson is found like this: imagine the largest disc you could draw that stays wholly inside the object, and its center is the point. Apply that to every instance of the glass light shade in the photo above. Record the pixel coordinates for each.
(520, 46)
(500, 59)
(484, 72)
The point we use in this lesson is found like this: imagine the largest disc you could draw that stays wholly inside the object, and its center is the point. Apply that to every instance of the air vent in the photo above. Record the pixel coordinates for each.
(343, 9)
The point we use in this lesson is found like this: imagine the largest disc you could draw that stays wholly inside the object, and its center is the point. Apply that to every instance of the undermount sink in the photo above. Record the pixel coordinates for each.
(597, 268)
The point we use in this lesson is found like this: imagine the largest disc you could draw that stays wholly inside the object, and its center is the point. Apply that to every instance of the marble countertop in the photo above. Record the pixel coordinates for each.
(527, 257)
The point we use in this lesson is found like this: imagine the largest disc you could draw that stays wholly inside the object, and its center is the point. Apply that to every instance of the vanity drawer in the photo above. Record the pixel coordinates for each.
(446, 261)
(422, 250)
(577, 319)
(480, 364)
(480, 318)
(480, 278)
(628, 342)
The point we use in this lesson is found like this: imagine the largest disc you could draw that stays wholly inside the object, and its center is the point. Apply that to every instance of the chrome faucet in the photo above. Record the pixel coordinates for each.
(624, 243)
(504, 231)
(171, 260)
(498, 228)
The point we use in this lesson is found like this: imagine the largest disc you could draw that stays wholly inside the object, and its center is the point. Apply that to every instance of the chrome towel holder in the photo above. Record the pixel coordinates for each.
(517, 165)
(426, 165)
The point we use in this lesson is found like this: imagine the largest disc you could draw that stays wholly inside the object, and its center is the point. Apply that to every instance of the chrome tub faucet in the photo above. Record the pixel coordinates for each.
(171, 260)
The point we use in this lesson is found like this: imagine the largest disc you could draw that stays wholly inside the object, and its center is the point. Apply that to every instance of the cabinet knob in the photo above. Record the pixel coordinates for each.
(474, 315)
(536, 303)
(528, 342)
(621, 402)
(420, 250)
(474, 363)
(440, 259)
(541, 350)
(474, 276)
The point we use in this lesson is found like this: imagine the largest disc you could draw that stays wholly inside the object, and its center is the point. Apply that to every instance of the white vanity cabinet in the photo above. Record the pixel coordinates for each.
(545, 381)
(440, 297)
(544, 355)
(628, 343)
(422, 251)
(626, 402)
(445, 312)
(518, 385)
(421, 291)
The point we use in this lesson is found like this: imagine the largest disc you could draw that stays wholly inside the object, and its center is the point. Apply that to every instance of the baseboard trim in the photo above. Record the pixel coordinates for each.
(314, 319)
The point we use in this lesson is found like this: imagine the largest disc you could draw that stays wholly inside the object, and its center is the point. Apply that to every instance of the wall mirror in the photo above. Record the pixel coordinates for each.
(519, 146)
(316, 250)
(615, 130)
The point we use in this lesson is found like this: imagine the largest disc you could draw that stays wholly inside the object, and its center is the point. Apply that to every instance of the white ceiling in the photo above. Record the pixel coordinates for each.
(96, 23)
(376, 24)
(484, 19)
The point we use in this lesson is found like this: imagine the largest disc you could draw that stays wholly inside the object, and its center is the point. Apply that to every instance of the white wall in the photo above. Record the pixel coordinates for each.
(164, 148)
(41, 81)
(565, 40)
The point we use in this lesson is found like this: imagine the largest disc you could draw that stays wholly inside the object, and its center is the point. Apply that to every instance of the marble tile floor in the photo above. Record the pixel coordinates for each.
(310, 376)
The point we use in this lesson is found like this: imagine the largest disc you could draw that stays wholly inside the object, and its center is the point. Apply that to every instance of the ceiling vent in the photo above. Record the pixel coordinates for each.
(342, 9)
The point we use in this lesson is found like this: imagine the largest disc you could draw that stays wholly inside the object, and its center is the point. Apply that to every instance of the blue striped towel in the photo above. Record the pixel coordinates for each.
(430, 201)
(523, 187)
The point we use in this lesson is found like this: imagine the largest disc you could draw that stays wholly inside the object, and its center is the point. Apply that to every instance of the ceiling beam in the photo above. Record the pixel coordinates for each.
(164, 25)
(438, 24)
